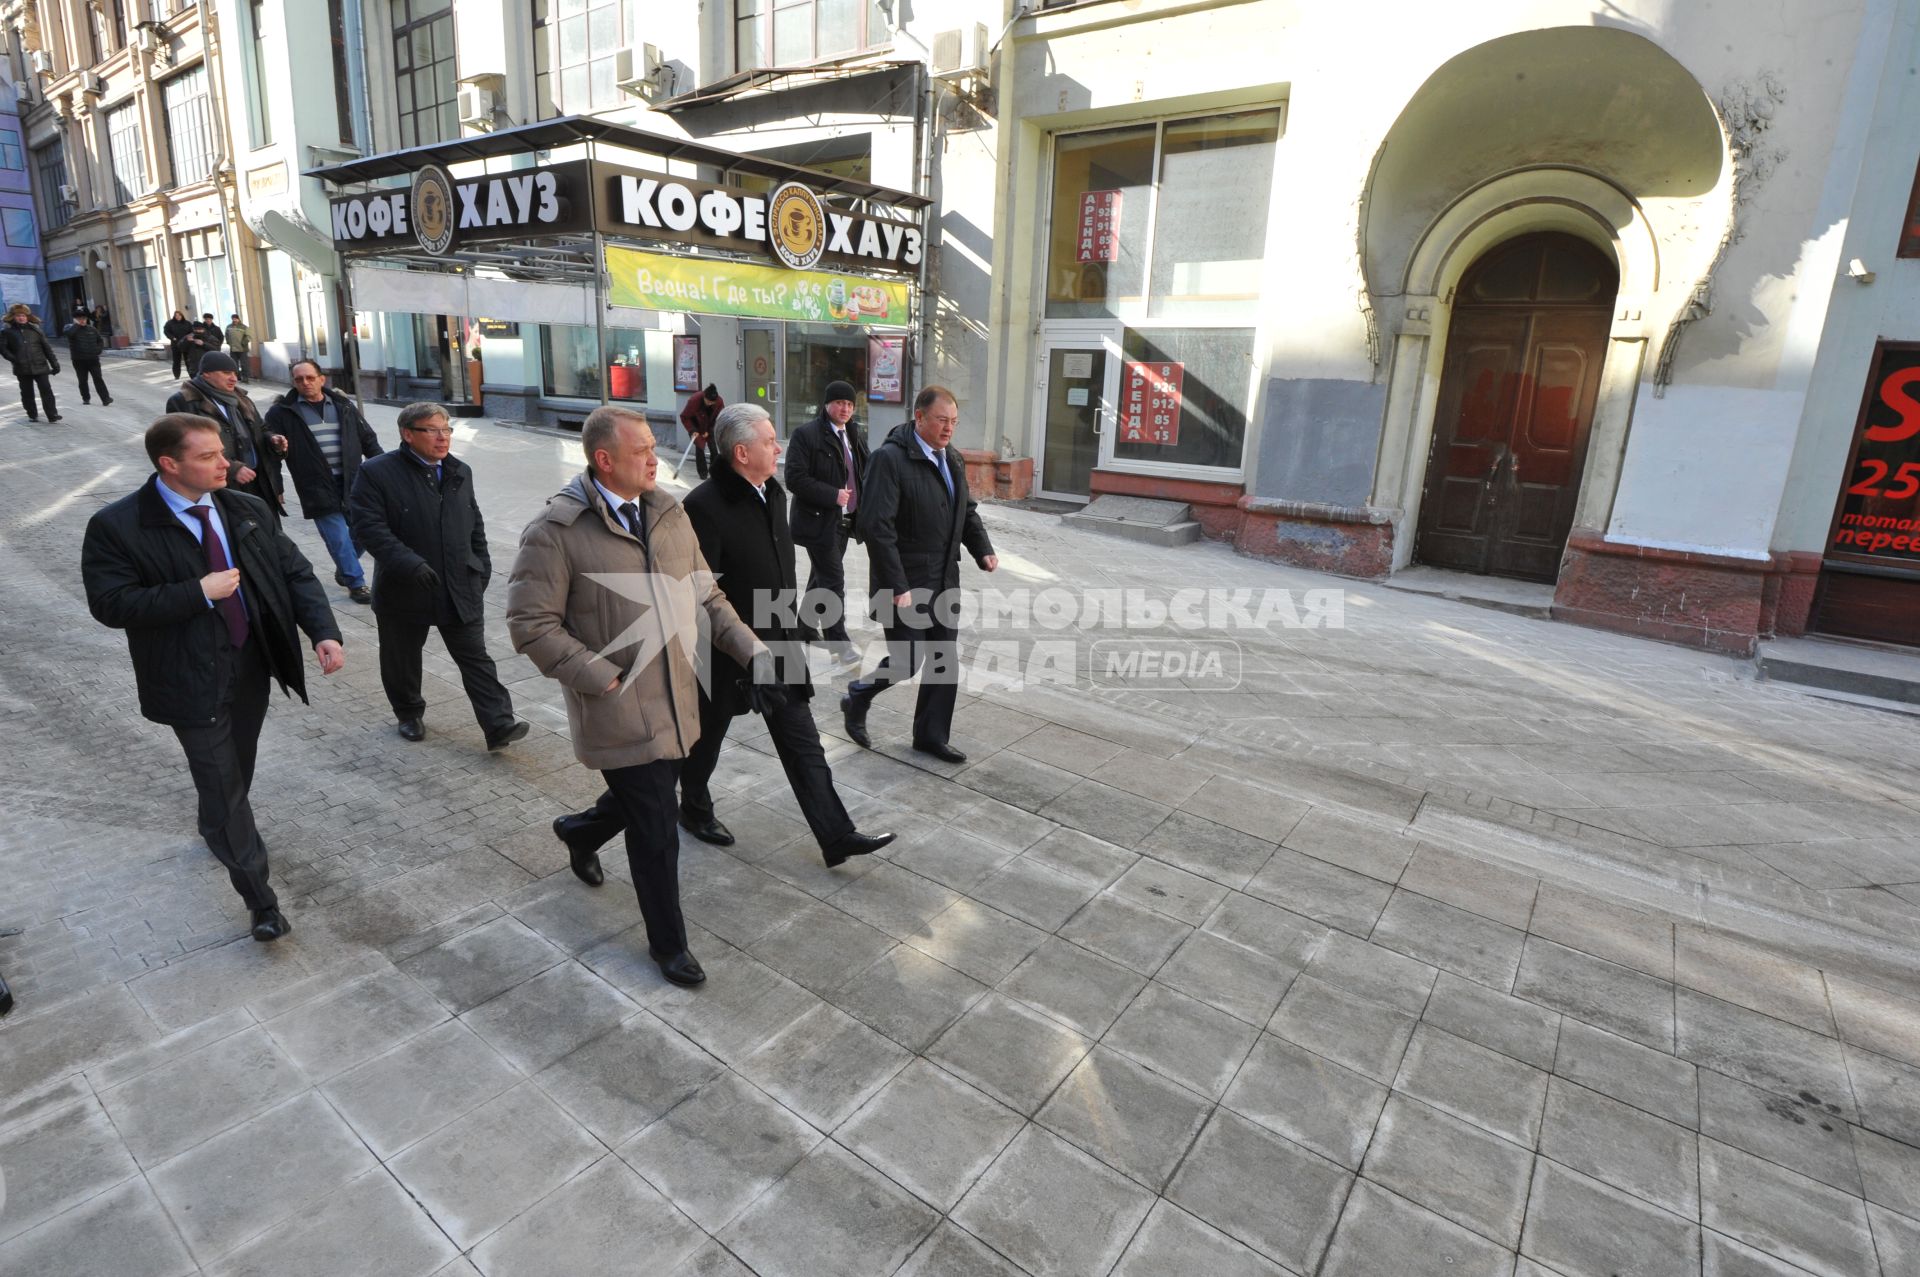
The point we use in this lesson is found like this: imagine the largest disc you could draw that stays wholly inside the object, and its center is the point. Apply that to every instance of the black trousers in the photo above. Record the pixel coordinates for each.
(797, 742)
(401, 643)
(828, 571)
(179, 356)
(916, 638)
(702, 445)
(85, 368)
(44, 384)
(639, 801)
(220, 756)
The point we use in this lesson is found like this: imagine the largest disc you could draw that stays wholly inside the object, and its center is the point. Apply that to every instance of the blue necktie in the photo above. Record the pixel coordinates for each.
(940, 459)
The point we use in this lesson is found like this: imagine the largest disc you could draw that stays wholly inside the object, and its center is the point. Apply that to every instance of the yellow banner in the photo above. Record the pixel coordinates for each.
(656, 281)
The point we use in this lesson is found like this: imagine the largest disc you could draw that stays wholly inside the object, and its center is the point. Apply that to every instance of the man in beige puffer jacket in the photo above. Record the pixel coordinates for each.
(607, 597)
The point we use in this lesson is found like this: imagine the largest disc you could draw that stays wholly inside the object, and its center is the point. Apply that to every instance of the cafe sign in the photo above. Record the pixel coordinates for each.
(711, 286)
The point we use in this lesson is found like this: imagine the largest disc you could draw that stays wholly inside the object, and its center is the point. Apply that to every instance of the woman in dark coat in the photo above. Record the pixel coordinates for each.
(176, 332)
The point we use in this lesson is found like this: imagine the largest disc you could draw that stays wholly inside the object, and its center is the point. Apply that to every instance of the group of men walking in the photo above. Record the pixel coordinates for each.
(662, 620)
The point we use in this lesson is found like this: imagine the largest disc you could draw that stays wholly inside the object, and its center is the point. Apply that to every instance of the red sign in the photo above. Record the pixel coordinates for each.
(1879, 516)
(1150, 402)
(1099, 227)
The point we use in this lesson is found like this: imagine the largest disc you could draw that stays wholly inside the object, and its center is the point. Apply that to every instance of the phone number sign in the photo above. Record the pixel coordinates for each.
(1150, 395)
(1879, 516)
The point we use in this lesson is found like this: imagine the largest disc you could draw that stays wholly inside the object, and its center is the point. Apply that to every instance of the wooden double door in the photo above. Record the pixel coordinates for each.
(1522, 373)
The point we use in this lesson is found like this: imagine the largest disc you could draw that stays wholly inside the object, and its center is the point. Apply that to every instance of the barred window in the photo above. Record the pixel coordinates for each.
(128, 155)
(189, 126)
(50, 161)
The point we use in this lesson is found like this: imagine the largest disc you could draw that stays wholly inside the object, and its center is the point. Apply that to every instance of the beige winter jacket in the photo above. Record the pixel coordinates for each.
(585, 605)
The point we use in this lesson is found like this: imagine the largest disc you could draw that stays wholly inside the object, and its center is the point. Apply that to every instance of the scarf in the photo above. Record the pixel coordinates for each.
(227, 399)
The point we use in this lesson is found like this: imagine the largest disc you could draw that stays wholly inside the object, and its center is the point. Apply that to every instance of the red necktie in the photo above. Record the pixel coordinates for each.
(232, 610)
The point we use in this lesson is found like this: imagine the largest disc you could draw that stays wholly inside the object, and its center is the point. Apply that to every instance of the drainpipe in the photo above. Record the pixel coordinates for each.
(923, 127)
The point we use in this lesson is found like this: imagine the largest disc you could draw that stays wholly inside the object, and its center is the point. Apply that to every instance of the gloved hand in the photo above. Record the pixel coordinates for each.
(765, 692)
(425, 577)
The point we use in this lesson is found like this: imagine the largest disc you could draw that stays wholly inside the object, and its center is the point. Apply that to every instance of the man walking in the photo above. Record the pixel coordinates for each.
(84, 344)
(739, 516)
(214, 393)
(210, 592)
(326, 440)
(202, 340)
(602, 600)
(915, 516)
(697, 420)
(825, 462)
(25, 347)
(240, 345)
(415, 511)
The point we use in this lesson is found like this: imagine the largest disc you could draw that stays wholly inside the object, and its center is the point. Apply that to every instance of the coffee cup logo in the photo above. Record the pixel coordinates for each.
(796, 225)
(432, 209)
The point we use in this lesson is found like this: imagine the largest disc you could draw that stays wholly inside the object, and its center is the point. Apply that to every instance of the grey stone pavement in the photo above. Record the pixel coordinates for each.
(1446, 942)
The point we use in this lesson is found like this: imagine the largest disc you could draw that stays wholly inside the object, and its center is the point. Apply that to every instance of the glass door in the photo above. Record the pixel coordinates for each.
(1074, 401)
(760, 360)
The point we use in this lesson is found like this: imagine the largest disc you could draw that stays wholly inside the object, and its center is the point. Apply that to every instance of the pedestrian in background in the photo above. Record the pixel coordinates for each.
(240, 345)
(203, 339)
(697, 420)
(414, 509)
(213, 596)
(84, 344)
(253, 450)
(25, 347)
(825, 461)
(103, 320)
(176, 331)
(326, 440)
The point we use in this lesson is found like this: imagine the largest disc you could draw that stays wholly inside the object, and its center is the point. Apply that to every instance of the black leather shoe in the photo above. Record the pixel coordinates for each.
(53, 416)
(412, 729)
(360, 594)
(585, 861)
(855, 715)
(706, 828)
(503, 739)
(107, 401)
(270, 924)
(940, 750)
(681, 968)
(855, 844)
(6, 996)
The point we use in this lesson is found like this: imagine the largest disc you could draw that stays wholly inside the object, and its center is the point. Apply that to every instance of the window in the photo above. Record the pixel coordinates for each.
(587, 36)
(795, 32)
(189, 126)
(423, 71)
(129, 157)
(570, 366)
(259, 111)
(51, 163)
(11, 156)
(143, 281)
(279, 317)
(19, 228)
(544, 106)
(203, 259)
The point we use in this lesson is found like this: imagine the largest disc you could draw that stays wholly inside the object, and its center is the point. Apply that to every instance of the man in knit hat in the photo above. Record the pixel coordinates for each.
(826, 463)
(253, 451)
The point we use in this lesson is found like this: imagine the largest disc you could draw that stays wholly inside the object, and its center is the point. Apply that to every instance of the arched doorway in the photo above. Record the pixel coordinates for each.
(1525, 349)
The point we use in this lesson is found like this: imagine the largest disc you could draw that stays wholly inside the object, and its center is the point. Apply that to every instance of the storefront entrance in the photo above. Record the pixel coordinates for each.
(1074, 402)
(789, 365)
(1870, 572)
(1524, 355)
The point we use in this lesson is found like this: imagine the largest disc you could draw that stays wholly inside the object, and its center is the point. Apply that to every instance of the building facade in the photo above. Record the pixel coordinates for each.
(1520, 290)
(22, 276)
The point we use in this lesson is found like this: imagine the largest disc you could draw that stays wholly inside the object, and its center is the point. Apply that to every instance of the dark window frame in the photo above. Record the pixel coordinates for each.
(187, 106)
(761, 24)
(50, 165)
(409, 117)
(127, 166)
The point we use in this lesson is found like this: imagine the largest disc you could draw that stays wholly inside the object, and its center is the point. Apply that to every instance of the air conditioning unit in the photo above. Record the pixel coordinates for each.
(40, 61)
(638, 68)
(960, 53)
(90, 82)
(144, 39)
(67, 194)
(23, 90)
(476, 106)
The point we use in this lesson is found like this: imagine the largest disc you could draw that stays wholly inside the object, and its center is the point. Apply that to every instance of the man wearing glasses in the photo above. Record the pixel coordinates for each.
(414, 510)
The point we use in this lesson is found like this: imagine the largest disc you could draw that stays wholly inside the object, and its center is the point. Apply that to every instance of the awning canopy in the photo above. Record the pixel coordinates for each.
(571, 130)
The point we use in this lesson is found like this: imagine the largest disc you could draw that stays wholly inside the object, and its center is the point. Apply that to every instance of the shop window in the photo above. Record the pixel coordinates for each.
(203, 260)
(795, 32)
(1209, 244)
(423, 71)
(143, 284)
(189, 126)
(1097, 247)
(1215, 369)
(127, 153)
(19, 229)
(570, 363)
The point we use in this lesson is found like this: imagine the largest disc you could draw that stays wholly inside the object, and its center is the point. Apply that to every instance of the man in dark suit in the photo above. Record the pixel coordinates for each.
(825, 459)
(414, 510)
(210, 592)
(915, 516)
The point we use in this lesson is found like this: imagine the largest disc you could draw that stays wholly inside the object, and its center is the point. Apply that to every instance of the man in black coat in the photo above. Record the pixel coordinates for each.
(203, 339)
(739, 516)
(212, 596)
(84, 344)
(253, 451)
(915, 516)
(415, 511)
(176, 331)
(825, 459)
(326, 440)
(23, 345)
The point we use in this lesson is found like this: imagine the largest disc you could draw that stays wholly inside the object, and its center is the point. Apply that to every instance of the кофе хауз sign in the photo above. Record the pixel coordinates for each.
(555, 200)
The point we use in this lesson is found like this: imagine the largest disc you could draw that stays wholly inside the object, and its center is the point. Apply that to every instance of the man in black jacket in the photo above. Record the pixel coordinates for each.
(414, 510)
(915, 516)
(23, 345)
(825, 460)
(326, 440)
(212, 596)
(203, 339)
(253, 451)
(175, 331)
(84, 344)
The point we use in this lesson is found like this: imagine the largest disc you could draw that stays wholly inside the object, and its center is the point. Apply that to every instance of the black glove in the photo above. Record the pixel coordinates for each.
(765, 692)
(425, 577)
